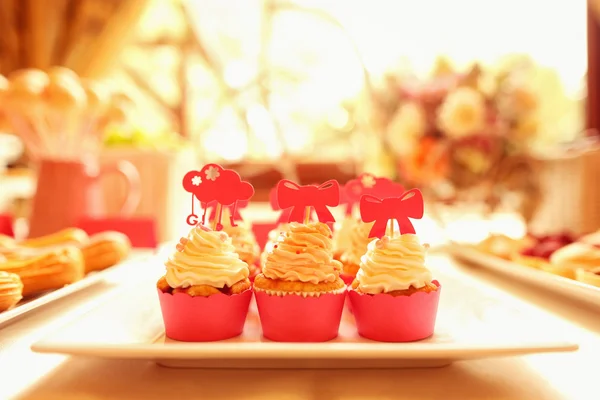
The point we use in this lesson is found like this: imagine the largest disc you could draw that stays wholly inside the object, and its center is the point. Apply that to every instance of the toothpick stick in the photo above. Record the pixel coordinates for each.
(307, 215)
(217, 218)
(390, 228)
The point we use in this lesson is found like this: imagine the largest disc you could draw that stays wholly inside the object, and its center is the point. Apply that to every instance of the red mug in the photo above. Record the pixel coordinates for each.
(68, 191)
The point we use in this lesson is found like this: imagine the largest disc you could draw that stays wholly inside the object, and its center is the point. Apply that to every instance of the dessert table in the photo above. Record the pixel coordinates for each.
(27, 375)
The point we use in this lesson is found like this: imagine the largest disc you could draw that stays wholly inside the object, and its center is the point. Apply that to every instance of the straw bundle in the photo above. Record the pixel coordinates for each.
(58, 114)
(83, 35)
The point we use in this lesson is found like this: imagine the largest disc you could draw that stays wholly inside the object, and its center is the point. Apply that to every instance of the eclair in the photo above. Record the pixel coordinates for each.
(65, 237)
(11, 290)
(51, 269)
(104, 250)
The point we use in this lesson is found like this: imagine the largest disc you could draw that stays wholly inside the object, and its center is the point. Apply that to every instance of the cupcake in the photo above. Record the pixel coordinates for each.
(205, 293)
(359, 240)
(299, 294)
(246, 246)
(272, 238)
(394, 297)
(342, 237)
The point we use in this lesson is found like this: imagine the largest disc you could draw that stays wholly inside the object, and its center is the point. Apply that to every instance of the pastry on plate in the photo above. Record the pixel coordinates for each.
(394, 297)
(65, 237)
(538, 255)
(103, 250)
(590, 276)
(299, 294)
(359, 240)
(568, 259)
(48, 269)
(11, 290)
(205, 293)
(504, 246)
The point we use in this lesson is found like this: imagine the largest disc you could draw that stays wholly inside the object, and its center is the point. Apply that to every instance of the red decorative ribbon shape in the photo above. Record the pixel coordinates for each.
(284, 215)
(291, 195)
(409, 205)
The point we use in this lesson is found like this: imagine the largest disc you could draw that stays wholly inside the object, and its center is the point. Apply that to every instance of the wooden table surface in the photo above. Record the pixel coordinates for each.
(27, 375)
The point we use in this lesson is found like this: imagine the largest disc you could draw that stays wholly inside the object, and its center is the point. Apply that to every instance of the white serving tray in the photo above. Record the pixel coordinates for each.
(474, 321)
(37, 301)
(564, 286)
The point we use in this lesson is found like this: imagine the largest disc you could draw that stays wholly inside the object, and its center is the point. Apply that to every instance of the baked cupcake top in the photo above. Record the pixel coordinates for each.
(360, 239)
(342, 239)
(393, 264)
(303, 253)
(208, 258)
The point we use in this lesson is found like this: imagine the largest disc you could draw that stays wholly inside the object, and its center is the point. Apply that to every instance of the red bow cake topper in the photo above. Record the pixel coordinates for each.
(366, 183)
(214, 184)
(300, 200)
(380, 211)
(284, 216)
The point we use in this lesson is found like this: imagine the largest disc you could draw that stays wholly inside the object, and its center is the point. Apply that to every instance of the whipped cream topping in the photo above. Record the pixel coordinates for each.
(243, 240)
(303, 253)
(342, 237)
(360, 239)
(207, 258)
(393, 264)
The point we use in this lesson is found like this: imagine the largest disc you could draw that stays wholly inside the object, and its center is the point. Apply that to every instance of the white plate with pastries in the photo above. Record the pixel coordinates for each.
(474, 321)
(564, 286)
(35, 272)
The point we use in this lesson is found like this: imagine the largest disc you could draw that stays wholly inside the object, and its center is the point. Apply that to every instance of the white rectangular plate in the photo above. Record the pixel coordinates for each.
(564, 286)
(42, 299)
(474, 321)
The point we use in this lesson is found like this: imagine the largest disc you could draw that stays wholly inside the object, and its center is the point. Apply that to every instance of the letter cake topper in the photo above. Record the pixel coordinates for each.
(216, 185)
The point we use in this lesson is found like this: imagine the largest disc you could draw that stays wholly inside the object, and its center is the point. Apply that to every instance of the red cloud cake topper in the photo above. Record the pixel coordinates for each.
(380, 211)
(234, 210)
(366, 183)
(214, 184)
(300, 200)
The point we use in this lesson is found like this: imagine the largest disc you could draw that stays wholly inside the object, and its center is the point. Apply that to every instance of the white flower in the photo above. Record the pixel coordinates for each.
(462, 113)
(197, 180)
(212, 173)
(407, 126)
(368, 181)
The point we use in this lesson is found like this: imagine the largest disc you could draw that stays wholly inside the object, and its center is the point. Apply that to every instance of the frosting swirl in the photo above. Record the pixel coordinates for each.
(393, 264)
(304, 254)
(208, 258)
(244, 242)
(360, 240)
(342, 238)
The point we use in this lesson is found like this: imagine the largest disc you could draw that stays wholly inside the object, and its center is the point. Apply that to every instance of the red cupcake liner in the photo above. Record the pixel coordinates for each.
(204, 319)
(386, 318)
(348, 279)
(294, 318)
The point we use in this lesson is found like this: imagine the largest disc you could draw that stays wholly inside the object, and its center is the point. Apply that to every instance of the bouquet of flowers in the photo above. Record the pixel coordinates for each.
(463, 133)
